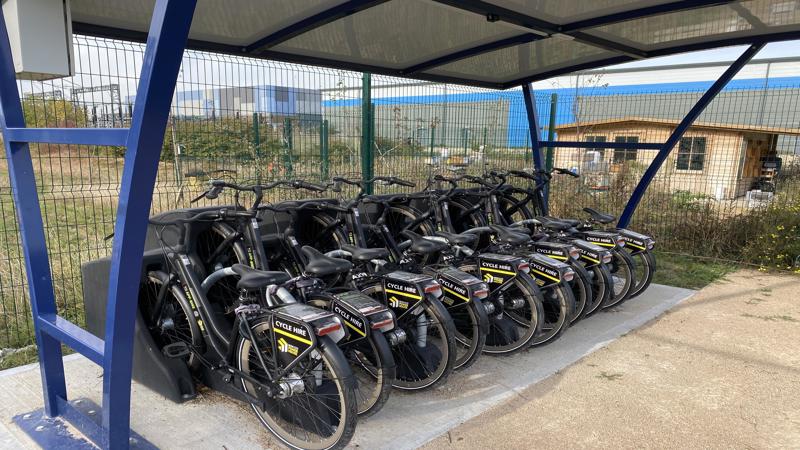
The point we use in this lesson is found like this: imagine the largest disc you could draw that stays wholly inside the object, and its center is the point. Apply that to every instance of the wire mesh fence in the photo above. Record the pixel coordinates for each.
(730, 190)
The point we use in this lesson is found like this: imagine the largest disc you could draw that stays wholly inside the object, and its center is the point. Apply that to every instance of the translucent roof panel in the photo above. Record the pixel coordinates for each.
(543, 55)
(735, 19)
(232, 22)
(488, 43)
(566, 11)
(415, 30)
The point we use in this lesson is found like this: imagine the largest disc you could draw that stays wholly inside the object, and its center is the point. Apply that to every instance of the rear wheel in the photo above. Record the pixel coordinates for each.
(427, 356)
(558, 307)
(370, 358)
(518, 315)
(645, 264)
(582, 291)
(622, 270)
(602, 292)
(320, 410)
(463, 219)
(471, 322)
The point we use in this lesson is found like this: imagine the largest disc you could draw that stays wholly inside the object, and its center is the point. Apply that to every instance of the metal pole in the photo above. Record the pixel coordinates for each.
(288, 145)
(533, 128)
(166, 41)
(31, 230)
(676, 135)
(324, 149)
(366, 129)
(551, 130)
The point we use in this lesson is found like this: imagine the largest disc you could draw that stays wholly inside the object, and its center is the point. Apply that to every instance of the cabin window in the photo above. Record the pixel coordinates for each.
(601, 151)
(282, 94)
(622, 155)
(691, 153)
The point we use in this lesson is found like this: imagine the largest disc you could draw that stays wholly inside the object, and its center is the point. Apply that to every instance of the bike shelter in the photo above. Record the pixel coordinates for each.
(492, 44)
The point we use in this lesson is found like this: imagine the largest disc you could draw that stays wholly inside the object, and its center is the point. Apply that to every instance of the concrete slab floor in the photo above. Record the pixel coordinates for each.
(408, 420)
(720, 370)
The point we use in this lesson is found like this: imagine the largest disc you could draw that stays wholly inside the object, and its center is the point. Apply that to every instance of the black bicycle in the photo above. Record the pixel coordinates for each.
(279, 356)
(370, 324)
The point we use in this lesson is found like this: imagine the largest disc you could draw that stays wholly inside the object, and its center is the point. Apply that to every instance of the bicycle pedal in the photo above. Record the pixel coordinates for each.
(176, 350)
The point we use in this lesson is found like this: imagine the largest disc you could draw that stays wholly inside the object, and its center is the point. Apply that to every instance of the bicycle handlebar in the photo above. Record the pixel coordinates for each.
(217, 214)
(304, 206)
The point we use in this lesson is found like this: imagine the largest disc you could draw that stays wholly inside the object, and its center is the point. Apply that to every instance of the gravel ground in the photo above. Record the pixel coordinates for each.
(720, 370)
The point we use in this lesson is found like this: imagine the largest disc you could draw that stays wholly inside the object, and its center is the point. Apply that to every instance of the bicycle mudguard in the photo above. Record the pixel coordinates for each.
(359, 312)
(605, 239)
(295, 326)
(636, 241)
(497, 269)
(591, 254)
(403, 290)
(547, 271)
(556, 250)
(458, 286)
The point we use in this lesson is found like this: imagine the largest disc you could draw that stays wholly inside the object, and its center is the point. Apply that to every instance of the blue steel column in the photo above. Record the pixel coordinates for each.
(29, 215)
(536, 150)
(166, 41)
(676, 135)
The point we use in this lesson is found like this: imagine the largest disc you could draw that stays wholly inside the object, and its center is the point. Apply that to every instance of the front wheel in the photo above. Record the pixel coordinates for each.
(316, 407)
(471, 324)
(427, 355)
(645, 269)
(582, 290)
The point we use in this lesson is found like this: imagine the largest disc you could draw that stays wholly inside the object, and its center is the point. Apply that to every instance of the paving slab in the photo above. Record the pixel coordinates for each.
(408, 421)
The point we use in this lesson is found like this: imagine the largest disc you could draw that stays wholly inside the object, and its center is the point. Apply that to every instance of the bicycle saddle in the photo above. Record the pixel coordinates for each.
(571, 222)
(457, 238)
(554, 224)
(250, 278)
(600, 217)
(506, 235)
(423, 246)
(365, 254)
(319, 265)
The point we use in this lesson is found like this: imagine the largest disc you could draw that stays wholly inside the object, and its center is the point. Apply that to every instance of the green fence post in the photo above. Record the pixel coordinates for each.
(257, 147)
(433, 132)
(551, 131)
(287, 147)
(367, 129)
(323, 149)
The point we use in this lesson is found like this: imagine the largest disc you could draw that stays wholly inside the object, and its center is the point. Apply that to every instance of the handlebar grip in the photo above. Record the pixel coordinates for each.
(309, 186)
(566, 172)
(402, 182)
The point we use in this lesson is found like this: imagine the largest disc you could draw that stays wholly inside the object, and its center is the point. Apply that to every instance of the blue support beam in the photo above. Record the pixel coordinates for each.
(680, 130)
(169, 30)
(76, 136)
(31, 230)
(536, 147)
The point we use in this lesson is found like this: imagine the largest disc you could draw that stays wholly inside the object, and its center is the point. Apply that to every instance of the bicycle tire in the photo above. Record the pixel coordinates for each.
(645, 265)
(341, 379)
(581, 290)
(408, 378)
(622, 273)
(530, 318)
(558, 301)
(185, 318)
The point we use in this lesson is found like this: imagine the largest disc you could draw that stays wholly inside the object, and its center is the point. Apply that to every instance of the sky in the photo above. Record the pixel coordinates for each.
(772, 50)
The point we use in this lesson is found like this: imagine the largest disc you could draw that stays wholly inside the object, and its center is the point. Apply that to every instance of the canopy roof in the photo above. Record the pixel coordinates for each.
(492, 43)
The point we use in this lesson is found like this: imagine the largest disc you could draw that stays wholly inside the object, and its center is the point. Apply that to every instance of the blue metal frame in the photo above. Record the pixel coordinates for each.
(676, 135)
(169, 31)
(536, 147)
(166, 42)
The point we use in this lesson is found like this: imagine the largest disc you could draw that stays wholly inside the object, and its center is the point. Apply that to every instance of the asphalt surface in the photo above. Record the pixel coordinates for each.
(720, 370)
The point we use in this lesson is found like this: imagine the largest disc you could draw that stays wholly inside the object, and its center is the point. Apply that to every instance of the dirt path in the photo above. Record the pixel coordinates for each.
(721, 370)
